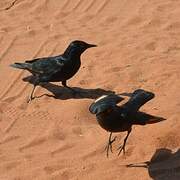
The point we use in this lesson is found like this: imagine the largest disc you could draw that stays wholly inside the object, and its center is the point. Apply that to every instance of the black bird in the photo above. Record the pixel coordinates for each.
(56, 68)
(115, 118)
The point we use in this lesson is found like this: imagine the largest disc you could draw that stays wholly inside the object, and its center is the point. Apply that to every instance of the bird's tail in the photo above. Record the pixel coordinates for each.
(21, 65)
(142, 118)
(138, 98)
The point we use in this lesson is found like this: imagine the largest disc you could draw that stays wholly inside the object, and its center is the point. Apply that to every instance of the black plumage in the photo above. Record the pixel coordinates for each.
(56, 68)
(114, 118)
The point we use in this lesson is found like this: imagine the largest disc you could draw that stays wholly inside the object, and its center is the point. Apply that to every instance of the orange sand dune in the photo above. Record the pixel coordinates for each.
(58, 139)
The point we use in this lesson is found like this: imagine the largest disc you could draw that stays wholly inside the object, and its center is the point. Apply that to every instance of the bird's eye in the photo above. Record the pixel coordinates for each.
(123, 115)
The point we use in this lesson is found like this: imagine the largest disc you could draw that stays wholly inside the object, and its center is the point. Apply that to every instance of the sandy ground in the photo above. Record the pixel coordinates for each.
(58, 139)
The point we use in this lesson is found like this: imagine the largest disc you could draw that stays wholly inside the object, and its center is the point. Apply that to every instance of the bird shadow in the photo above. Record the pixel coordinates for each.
(63, 93)
(164, 165)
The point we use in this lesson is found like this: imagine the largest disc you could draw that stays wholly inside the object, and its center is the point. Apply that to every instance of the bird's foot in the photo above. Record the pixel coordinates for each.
(31, 97)
(109, 146)
(121, 148)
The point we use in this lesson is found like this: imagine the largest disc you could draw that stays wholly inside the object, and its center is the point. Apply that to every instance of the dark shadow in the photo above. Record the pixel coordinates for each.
(63, 93)
(164, 165)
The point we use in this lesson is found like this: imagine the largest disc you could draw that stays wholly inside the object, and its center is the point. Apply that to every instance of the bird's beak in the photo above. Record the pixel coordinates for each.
(91, 45)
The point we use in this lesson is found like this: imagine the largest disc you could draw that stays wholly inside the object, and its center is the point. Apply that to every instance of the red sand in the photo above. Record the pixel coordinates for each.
(58, 139)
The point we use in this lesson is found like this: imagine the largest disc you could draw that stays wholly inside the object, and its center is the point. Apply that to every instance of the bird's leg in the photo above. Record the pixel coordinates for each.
(109, 145)
(32, 92)
(122, 147)
(64, 83)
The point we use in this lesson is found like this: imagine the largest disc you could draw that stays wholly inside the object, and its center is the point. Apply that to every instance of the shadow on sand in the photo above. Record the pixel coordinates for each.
(63, 93)
(164, 165)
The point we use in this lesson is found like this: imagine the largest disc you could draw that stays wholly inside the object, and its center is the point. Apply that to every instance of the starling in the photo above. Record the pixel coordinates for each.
(114, 118)
(57, 68)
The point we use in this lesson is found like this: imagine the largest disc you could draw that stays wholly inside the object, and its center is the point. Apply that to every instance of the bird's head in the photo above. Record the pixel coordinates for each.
(77, 47)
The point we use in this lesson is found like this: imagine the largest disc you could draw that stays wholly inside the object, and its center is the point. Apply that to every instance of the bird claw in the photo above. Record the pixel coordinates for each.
(121, 148)
(109, 146)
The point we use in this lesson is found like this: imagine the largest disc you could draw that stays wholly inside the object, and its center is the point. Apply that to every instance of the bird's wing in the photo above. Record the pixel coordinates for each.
(139, 98)
(104, 102)
(141, 118)
(48, 66)
(34, 60)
